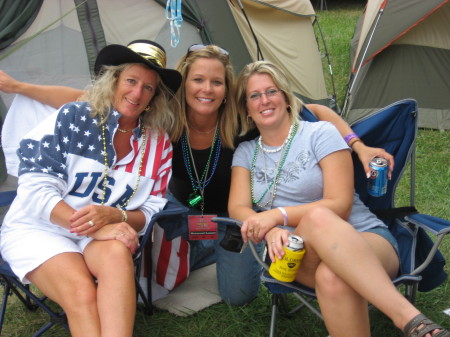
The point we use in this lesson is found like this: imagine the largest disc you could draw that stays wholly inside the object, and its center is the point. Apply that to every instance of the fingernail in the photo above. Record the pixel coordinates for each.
(368, 175)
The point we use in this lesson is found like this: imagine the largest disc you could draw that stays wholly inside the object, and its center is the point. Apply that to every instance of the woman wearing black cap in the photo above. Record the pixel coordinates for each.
(88, 184)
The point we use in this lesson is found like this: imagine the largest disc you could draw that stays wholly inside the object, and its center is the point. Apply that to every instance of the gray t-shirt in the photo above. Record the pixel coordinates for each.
(300, 180)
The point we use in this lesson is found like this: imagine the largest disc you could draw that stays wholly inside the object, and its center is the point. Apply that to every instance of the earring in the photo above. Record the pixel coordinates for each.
(249, 119)
(224, 100)
(288, 108)
(148, 108)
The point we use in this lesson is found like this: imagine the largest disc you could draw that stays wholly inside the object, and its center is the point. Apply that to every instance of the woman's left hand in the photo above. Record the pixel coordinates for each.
(91, 218)
(367, 153)
(119, 231)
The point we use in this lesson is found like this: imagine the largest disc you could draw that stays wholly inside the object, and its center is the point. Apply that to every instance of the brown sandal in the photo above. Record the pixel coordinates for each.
(420, 325)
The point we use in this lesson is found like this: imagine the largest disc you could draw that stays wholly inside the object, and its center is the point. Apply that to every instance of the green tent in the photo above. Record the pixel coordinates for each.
(401, 49)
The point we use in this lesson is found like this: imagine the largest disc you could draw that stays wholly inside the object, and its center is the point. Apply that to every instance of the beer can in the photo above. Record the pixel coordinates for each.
(285, 269)
(377, 184)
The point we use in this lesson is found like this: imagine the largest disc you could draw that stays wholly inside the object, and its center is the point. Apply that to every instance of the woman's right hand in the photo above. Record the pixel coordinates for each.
(276, 238)
(8, 84)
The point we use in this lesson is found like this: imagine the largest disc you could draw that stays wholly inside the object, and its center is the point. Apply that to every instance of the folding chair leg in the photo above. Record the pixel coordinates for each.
(32, 302)
(410, 292)
(273, 317)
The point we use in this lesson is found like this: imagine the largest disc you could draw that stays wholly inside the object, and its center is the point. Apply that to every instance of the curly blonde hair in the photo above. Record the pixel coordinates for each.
(100, 96)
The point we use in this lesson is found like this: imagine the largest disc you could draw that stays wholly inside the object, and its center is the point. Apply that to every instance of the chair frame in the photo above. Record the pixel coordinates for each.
(32, 301)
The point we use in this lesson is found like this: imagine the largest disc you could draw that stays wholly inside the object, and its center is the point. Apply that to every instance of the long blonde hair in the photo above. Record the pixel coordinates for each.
(228, 117)
(280, 80)
(100, 96)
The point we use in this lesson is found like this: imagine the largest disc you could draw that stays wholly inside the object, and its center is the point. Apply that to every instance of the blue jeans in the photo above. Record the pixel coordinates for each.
(238, 275)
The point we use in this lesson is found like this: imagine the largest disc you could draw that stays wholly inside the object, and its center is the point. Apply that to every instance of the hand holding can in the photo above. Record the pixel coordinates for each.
(285, 269)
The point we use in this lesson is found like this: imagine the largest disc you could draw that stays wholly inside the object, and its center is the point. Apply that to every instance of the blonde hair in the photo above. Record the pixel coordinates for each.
(280, 80)
(100, 96)
(228, 117)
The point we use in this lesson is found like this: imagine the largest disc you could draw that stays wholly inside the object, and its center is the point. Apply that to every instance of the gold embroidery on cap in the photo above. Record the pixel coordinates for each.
(150, 53)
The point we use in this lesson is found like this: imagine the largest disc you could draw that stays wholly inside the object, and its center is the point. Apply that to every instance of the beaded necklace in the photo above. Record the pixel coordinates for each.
(106, 167)
(278, 149)
(274, 182)
(199, 184)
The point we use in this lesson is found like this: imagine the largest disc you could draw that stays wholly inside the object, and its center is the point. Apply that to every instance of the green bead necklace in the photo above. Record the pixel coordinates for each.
(274, 182)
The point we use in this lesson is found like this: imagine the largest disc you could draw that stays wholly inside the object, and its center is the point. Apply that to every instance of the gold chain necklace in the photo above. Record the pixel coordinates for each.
(123, 130)
(202, 132)
(106, 167)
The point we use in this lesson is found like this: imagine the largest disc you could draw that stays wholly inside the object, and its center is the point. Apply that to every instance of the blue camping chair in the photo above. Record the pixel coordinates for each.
(393, 128)
(172, 212)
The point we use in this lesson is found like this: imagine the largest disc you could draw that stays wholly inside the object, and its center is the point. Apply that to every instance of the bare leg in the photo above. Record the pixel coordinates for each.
(352, 260)
(112, 265)
(345, 312)
(66, 280)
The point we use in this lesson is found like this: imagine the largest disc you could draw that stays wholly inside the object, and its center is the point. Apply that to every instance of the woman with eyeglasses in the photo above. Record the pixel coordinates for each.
(204, 137)
(297, 177)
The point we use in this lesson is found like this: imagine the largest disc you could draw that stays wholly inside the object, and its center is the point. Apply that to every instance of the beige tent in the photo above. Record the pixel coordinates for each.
(56, 41)
(62, 51)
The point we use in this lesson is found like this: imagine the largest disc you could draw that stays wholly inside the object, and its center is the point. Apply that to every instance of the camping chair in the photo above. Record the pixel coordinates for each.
(11, 284)
(393, 128)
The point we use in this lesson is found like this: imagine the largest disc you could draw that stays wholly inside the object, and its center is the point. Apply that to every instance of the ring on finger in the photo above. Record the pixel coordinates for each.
(91, 223)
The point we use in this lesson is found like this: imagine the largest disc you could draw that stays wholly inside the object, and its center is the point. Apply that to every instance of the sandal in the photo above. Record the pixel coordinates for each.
(420, 325)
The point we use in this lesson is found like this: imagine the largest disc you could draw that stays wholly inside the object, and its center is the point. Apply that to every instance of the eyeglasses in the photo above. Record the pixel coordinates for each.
(199, 46)
(255, 96)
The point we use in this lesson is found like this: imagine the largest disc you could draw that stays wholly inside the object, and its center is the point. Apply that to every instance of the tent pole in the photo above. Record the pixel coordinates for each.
(352, 83)
(316, 20)
(258, 49)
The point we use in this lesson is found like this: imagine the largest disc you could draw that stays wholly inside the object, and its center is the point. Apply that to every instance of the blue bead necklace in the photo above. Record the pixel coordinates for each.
(199, 183)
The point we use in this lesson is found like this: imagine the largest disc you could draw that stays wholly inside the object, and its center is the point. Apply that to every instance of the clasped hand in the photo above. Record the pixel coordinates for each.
(103, 223)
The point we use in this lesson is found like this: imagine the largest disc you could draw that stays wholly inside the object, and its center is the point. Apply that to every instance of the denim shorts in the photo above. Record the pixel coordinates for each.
(385, 233)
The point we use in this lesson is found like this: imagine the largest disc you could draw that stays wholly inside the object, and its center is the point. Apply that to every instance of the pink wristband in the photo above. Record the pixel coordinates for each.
(350, 136)
(285, 216)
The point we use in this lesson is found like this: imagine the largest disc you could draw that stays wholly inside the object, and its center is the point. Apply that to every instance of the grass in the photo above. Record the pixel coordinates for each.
(432, 184)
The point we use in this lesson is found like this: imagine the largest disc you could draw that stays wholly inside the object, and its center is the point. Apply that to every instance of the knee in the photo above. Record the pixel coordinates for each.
(329, 285)
(238, 277)
(81, 296)
(238, 295)
(117, 255)
(317, 220)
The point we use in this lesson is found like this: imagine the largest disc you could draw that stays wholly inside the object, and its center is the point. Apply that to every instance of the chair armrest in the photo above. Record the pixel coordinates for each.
(431, 224)
(219, 220)
(435, 225)
(7, 197)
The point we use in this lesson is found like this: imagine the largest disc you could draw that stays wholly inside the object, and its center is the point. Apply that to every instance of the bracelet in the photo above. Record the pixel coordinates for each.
(124, 215)
(285, 216)
(349, 137)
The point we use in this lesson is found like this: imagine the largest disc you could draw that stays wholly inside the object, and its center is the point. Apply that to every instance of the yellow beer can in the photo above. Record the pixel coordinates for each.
(285, 269)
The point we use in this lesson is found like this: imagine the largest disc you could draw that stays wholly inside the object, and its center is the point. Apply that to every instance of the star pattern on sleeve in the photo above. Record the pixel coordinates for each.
(73, 134)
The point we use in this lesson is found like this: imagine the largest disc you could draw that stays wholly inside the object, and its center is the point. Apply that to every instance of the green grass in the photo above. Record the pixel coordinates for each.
(432, 185)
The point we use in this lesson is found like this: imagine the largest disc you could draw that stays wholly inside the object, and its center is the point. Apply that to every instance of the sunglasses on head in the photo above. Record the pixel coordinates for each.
(198, 46)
